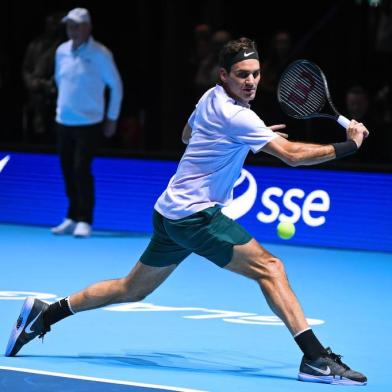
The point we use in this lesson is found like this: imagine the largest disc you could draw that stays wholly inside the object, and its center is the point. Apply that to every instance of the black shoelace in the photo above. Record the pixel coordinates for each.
(41, 336)
(338, 359)
(43, 333)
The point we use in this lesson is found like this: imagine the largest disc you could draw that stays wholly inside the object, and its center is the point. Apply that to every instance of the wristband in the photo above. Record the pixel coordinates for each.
(345, 148)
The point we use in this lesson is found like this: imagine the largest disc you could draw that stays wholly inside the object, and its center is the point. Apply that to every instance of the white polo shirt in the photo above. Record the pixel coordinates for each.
(81, 76)
(223, 132)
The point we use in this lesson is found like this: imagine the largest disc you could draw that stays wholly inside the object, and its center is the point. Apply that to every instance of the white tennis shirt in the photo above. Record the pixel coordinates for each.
(81, 76)
(223, 132)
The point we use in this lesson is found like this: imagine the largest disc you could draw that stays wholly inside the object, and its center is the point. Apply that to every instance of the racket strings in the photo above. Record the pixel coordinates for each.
(296, 73)
(312, 105)
(317, 92)
(302, 91)
(302, 102)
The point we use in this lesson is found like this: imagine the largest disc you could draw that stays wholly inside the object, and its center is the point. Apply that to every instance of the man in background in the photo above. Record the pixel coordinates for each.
(84, 68)
(37, 72)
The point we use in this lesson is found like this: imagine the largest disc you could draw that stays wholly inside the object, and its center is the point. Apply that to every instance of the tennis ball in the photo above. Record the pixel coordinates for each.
(285, 230)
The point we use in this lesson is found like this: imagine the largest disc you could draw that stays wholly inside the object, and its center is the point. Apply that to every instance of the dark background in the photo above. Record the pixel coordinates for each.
(152, 42)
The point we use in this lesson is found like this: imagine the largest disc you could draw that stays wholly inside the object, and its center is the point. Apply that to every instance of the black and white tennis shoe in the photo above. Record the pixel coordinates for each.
(29, 325)
(329, 369)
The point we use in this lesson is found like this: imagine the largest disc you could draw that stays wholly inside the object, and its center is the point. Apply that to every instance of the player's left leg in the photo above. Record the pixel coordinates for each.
(255, 262)
(318, 364)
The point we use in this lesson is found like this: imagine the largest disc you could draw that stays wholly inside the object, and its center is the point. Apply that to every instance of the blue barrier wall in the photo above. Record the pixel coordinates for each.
(328, 208)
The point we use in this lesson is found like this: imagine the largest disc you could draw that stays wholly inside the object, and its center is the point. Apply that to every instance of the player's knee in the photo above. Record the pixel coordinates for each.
(131, 293)
(276, 267)
(273, 268)
(133, 296)
(137, 297)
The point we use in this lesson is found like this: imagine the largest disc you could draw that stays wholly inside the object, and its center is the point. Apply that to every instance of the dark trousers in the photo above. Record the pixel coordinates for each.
(76, 146)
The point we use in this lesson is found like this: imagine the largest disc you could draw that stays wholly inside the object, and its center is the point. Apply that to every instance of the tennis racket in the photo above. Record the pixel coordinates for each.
(303, 93)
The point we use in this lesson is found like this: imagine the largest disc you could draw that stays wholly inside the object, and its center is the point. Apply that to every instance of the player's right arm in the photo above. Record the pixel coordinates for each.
(298, 153)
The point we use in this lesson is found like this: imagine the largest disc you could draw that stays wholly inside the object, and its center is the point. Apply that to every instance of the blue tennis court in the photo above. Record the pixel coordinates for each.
(204, 329)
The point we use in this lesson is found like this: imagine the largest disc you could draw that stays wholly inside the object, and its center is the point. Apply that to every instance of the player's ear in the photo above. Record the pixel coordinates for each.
(223, 74)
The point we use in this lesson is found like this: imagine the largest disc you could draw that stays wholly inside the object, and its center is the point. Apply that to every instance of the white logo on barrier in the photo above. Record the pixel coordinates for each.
(3, 162)
(316, 201)
(243, 203)
(21, 295)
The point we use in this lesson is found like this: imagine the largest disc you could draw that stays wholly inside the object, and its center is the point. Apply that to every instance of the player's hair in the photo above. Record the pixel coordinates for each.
(232, 48)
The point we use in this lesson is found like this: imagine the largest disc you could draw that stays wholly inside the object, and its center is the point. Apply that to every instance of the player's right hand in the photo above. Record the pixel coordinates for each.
(357, 132)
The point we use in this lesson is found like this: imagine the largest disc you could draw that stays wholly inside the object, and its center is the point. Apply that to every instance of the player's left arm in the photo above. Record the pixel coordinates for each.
(186, 133)
(299, 153)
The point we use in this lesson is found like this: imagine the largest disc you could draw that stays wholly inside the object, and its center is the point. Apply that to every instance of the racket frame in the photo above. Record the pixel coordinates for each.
(343, 121)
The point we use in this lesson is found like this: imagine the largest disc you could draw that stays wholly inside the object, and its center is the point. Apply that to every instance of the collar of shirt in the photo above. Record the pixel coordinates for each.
(234, 101)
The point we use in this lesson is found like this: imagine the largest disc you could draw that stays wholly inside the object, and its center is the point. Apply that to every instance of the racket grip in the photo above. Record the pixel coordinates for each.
(343, 121)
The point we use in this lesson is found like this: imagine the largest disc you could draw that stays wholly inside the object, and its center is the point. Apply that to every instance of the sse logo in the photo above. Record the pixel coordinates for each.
(271, 199)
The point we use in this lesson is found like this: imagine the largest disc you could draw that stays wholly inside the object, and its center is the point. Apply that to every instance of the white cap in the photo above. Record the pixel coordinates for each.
(78, 15)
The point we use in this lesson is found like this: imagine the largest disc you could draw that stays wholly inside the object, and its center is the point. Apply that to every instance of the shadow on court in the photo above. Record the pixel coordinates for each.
(178, 363)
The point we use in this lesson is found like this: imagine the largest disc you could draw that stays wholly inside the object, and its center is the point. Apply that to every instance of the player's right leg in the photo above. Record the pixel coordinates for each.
(140, 282)
(37, 316)
(159, 260)
(28, 325)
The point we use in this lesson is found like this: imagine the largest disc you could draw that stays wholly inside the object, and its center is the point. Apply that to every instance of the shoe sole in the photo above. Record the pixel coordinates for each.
(26, 310)
(62, 232)
(82, 235)
(335, 380)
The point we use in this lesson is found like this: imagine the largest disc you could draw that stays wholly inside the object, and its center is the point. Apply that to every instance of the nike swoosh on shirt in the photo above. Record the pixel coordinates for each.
(247, 54)
(326, 371)
(3, 162)
(28, 328)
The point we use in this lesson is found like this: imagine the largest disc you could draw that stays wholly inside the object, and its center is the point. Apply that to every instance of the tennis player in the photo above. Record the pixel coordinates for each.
(187, 216)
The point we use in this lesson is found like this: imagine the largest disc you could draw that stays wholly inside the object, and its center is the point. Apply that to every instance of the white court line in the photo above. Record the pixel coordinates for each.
(106, 380)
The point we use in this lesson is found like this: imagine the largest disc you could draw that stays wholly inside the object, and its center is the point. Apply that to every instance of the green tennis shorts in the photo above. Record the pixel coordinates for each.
(208, 233)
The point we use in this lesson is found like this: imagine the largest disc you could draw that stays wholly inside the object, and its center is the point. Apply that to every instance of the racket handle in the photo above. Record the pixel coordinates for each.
(343, 121)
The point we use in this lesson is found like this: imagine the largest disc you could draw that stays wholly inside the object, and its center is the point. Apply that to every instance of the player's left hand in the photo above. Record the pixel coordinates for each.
(109, 127)
(274, 128)
(357, 132)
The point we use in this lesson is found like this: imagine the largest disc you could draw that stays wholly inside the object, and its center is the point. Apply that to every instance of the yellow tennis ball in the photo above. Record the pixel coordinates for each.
(285, 230)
